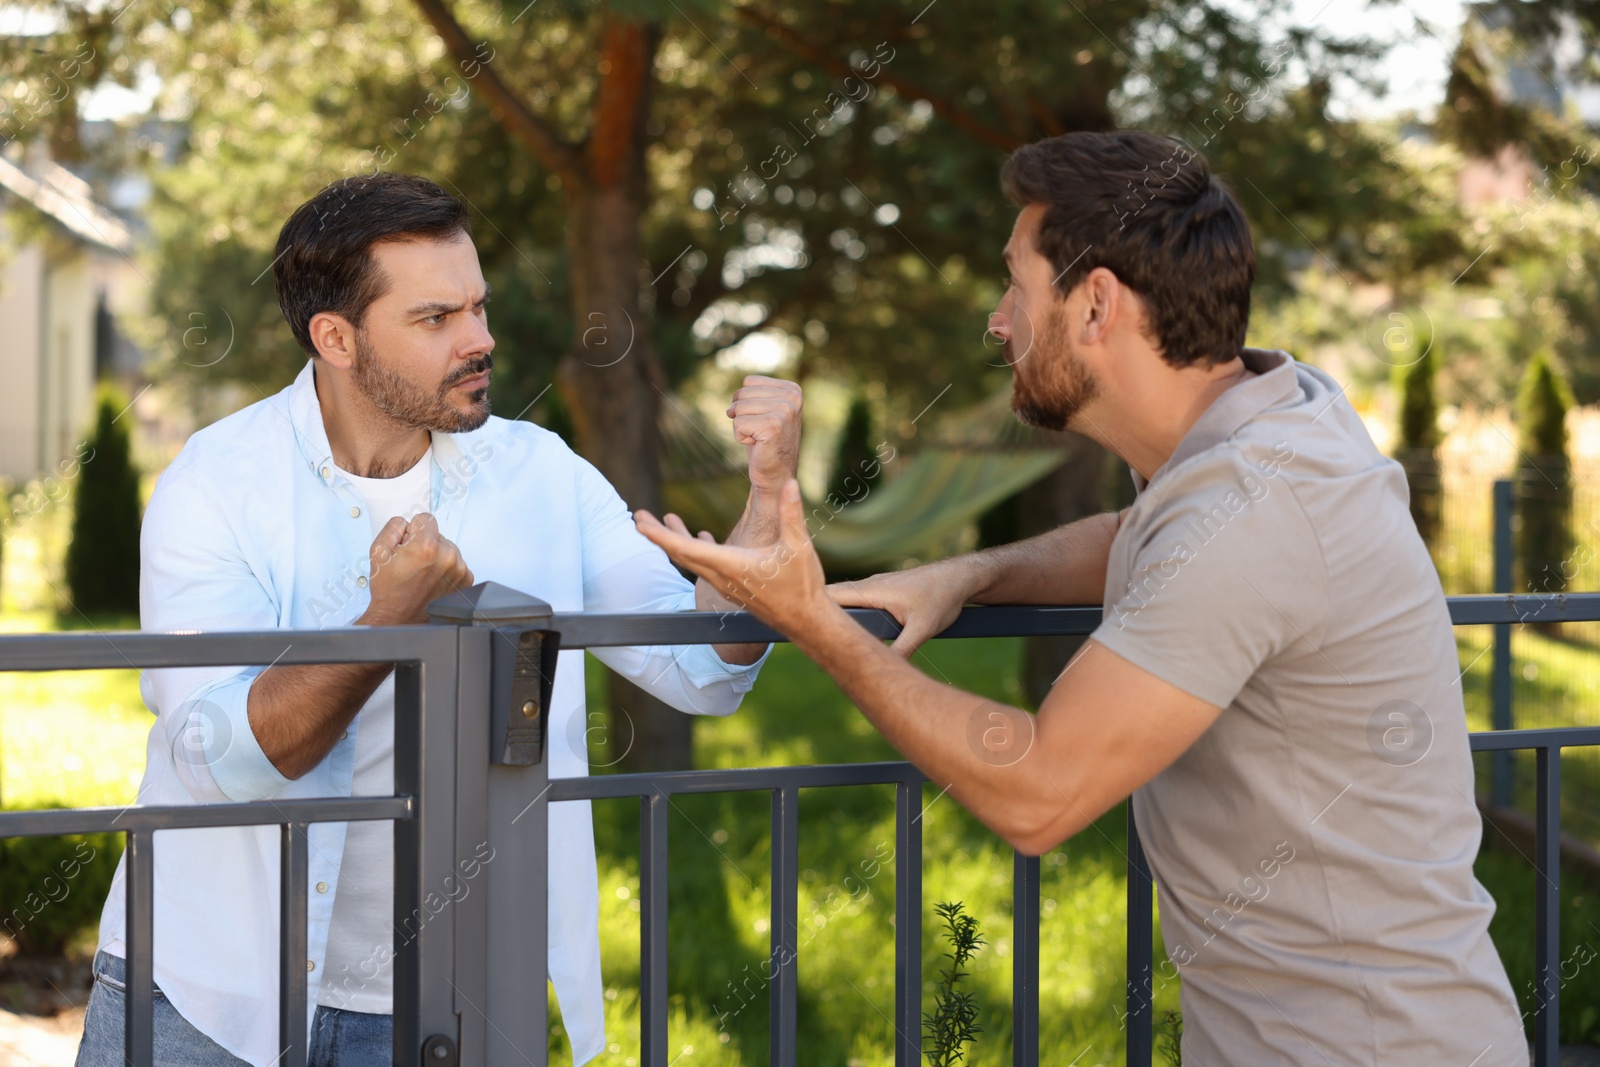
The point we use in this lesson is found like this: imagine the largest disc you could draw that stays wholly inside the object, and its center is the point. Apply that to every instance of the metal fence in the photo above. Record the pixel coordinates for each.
(471, 704)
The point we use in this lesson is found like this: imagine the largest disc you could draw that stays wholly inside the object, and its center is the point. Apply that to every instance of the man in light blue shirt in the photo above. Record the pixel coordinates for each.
(375, 483)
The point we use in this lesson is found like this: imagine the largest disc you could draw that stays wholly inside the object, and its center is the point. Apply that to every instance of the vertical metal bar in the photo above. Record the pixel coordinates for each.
(653, 930)
(474, 877)
(1141, 899)
(784, 990)
(428, 760)
(1547, 910)
(1500, 666)
(138, 1034)
(293, 873)
(908, 922)
(407, 867)
(1025, 961)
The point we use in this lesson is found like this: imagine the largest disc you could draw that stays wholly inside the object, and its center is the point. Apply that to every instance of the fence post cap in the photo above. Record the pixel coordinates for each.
(489, 603)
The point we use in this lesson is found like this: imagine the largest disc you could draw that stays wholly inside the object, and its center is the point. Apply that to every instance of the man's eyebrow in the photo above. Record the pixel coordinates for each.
(442, 307)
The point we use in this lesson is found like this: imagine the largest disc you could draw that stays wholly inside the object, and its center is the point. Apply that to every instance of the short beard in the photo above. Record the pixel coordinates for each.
(1064, 384)
(410, 405)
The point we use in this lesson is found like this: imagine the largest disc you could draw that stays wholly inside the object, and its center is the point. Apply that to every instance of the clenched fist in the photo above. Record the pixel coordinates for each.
(766, 420)
(412, 566)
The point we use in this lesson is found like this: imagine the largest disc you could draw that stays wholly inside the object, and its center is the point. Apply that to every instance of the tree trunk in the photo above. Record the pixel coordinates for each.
(1068, 493)
(612, 383)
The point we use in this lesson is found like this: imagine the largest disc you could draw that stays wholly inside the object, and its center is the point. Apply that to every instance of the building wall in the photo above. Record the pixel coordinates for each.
(22, 273)
(67, 375)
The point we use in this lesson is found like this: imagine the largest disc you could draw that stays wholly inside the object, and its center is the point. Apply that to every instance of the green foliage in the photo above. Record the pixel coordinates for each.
(1419, 430)
(854, 207)
(1419, 405)
(1544, 478)
(51, 888)
(855, 464)
(103, 557)
(1169, 1036)
(953, 1023)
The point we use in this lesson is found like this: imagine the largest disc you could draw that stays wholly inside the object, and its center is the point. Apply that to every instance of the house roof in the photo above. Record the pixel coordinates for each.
(66, 198)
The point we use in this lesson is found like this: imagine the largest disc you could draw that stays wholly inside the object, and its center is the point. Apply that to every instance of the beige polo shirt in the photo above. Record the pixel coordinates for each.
(1313, 850)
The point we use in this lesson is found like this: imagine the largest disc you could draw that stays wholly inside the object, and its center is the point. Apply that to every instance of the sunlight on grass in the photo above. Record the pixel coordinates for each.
(69, 737)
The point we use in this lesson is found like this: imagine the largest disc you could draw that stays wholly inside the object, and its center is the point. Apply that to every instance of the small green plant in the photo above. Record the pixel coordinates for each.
(954, 1021)
(1169, 1037)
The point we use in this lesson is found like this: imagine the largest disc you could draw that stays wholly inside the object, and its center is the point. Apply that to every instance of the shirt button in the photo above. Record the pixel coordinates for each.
(344, 735)
(355, 513)
(311, 965)
(362, 581)
(325, 472)
(322, 887)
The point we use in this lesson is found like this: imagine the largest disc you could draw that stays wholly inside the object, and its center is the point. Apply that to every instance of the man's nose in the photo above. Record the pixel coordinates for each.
(479, 342)
(1000, 325)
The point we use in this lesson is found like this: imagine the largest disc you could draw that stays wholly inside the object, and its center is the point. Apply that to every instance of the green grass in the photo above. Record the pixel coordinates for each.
(70, 737)
(719, 893)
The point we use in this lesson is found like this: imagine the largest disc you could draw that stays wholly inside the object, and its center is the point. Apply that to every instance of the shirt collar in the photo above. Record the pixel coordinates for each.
(305, 415)
(1275, 382)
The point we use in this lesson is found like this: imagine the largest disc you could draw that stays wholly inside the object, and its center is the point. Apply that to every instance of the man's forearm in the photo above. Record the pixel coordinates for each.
(757, 526)
(1066, 565)
(298, 713)
(973, 747)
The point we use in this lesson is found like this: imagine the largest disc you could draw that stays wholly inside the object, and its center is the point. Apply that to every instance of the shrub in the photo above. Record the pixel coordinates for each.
(103, 557)
(1544, 478)
(855, 462)
(51, 888)
(1418, 449)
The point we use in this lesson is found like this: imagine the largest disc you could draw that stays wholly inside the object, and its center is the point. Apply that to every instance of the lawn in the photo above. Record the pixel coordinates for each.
(79, 738)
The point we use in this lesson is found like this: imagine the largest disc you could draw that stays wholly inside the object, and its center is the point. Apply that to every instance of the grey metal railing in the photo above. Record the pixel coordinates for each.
(472, 700)
(429, 660)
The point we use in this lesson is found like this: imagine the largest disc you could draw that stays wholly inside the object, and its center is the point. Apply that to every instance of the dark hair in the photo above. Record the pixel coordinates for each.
(324, 255)
(1148, 209)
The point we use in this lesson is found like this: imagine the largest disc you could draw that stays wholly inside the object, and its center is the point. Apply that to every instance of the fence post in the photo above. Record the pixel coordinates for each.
(507, 658)
(1500, 717)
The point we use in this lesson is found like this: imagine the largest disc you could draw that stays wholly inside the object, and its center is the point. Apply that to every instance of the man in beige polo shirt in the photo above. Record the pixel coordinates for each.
(1275, 679)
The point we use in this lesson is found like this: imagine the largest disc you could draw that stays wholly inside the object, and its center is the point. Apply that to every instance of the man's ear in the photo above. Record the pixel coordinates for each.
(1102, 303)
(334, 339)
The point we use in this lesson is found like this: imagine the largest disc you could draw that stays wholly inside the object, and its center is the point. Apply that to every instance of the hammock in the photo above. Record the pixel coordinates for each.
(974, 461)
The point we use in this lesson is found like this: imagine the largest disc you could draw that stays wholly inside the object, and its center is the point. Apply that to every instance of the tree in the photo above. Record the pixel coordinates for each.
(1543, 479)
(1418, 445)
(667, 178)
(855, 469)
(103, 556)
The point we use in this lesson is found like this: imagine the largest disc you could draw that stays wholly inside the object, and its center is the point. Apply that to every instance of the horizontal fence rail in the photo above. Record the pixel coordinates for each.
(449, 788)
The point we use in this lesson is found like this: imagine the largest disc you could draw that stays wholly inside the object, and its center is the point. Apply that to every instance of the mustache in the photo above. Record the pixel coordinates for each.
(471, 370)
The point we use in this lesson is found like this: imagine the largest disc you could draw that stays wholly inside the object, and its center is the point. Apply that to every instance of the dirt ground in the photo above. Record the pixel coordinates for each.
(41, 1010)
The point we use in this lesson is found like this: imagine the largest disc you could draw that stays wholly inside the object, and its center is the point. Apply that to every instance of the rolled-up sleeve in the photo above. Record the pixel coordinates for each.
(193, 576)
(622, 571)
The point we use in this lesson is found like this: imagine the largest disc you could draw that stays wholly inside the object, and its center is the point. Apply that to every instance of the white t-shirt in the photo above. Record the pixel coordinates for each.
(360, 976)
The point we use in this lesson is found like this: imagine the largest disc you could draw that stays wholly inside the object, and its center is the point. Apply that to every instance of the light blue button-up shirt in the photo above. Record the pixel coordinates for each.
(251, 527)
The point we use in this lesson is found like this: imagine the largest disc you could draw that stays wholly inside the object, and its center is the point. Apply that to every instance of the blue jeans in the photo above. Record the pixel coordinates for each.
(339, 1038)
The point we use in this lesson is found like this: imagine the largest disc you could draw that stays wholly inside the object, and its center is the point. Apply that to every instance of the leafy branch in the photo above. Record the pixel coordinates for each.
(954, 1021)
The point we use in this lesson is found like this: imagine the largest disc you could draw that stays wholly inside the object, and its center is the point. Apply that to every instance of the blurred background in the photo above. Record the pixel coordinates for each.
(669, 195)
